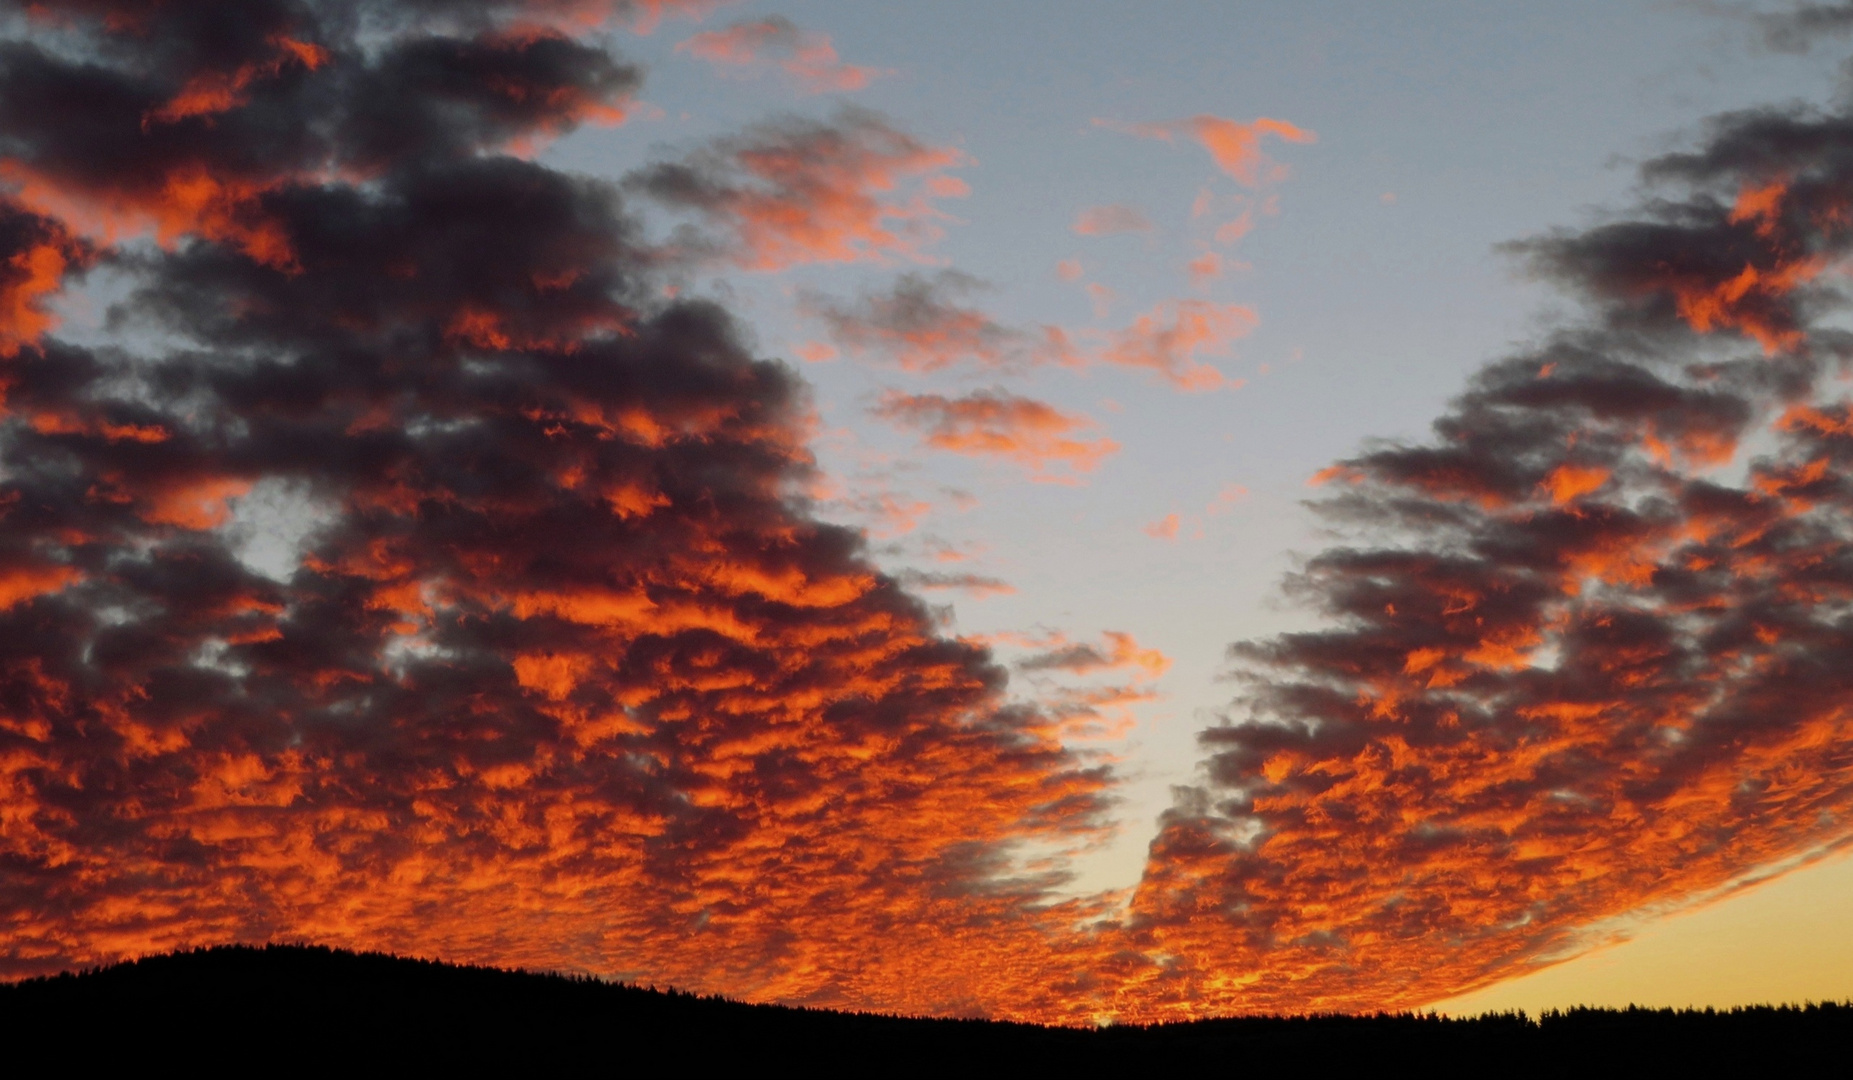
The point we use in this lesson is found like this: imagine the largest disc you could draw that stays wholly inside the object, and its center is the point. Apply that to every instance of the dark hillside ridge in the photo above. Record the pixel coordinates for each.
(282, 1006)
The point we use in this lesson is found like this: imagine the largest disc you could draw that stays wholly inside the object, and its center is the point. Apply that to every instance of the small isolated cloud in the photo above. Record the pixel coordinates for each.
(1235, 228)
(645, 15)
(941, 550)
(641, 17)
(1117, 651)
(1205, 268)
(808, 56)
(1169, 338)
(1165, 528)
(1068, 269)
(1111, 219)
(994, 423)
(926, 323)
(921, 323)
(1226, 498)
(793, 191)
(886, 514)
(1236, 147)
(977, 585)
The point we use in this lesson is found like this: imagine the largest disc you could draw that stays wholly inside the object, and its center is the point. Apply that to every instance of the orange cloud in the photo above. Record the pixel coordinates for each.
(39, 253)
(1164, 528)
(1111, 219)
(563, 666)
(1091, 711)
(1231, 231)
(802, 191)
(806, 55)
(1205, 268)
(992, 423)
(643, 17)
(1121, 653)
(1226, 498)
(214, 92)
(1168, 339)
(1236, 147)
(1068, 269)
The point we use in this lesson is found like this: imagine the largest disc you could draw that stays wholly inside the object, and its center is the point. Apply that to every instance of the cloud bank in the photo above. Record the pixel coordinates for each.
(558, 670)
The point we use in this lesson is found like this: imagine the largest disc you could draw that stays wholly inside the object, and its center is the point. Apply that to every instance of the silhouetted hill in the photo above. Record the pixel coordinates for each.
(281, 1007)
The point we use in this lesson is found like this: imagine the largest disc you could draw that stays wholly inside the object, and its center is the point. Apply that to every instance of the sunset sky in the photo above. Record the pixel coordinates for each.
(1061, 511)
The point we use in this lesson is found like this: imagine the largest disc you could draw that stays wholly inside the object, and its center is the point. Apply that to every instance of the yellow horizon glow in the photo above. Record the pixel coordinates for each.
(1786, 941)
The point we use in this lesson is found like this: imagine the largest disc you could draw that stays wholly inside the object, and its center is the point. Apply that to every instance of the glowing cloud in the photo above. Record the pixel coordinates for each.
(1164, 528)
(803, 191)
(563, 671)
(993, 423)
(566, 676)
(1569, 673)
(1168, 339)
(1120, 652)
(1236, 147)
(805, 55)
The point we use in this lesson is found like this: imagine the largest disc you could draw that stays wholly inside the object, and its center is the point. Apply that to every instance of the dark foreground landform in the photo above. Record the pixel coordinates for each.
(283, 1006)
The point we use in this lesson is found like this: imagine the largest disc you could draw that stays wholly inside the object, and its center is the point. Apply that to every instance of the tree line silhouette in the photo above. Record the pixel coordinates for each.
(285, 1006)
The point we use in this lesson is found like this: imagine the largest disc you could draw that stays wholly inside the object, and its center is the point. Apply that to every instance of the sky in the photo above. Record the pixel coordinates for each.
(1019, 509)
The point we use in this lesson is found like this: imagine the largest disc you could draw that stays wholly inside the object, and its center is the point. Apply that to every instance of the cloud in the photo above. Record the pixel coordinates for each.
(977, 585)
(559, 673)
(1570, 669)
(1234, 229)
(1093, 711)
(1119, 652)
(919, 324)
(1235, 147)
(796, 191)
(1068, 269)
(1797, 29)
(1226, 498)
(41, 254)
(1164, 528)
(1169, 338)
(1205, 268)
(888, 514)
(642, 16)
(922, 323)
(993, 423)
(806, 55)
(1111, 219)
(164, 156)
